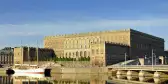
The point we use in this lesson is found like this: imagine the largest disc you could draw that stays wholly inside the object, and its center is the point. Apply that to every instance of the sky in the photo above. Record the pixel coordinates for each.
(26, 22)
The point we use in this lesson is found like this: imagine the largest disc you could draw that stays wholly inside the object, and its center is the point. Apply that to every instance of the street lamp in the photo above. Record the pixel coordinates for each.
(145, 57)
(155, 57)
(125, 59)
(152, 59)
(166, 60)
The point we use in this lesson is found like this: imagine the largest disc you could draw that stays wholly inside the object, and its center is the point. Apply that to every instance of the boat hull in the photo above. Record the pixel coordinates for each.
(29, 72)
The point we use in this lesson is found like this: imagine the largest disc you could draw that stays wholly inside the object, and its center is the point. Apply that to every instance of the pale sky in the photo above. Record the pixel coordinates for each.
(30, 20)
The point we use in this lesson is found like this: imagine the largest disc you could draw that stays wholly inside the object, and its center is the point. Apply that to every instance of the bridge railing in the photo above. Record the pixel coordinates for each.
(146, 67)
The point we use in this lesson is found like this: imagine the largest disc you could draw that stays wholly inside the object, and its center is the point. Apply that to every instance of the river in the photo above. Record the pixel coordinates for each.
(81, 79)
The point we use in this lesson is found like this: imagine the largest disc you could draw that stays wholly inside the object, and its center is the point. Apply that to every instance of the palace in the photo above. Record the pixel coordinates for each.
(106, 45)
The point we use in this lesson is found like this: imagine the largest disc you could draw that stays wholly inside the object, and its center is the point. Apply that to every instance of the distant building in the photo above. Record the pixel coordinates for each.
(6, 56)
(79, 45)
(29, 54)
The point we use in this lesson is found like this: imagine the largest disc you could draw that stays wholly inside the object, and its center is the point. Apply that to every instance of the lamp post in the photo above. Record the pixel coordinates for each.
(155, 58)
(145, 57)
(125, 59)
(152, 59)
(165, 60)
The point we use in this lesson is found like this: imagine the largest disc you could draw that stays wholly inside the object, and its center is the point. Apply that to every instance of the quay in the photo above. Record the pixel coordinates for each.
(79, 70)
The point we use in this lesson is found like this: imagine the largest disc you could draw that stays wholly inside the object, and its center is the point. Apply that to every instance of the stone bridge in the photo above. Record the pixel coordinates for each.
(140, 70)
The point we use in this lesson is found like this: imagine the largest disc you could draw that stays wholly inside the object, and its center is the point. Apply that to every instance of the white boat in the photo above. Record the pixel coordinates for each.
(28, 70)
(28, 74)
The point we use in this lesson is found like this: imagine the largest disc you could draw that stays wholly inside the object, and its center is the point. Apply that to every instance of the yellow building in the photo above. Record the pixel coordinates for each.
(29, 54)
(79, 45)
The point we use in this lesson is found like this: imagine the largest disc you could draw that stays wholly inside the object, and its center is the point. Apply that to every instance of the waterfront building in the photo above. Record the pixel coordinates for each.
(6, 56)
(79, 45)
(29, 54)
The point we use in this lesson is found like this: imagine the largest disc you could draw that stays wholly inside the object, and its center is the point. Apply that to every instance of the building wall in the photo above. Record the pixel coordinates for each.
(6, 56)
(75, 45)
(103, 54)
(142, 44)
(80, 45)
(116, 53)
(29, 54)
(98, 54)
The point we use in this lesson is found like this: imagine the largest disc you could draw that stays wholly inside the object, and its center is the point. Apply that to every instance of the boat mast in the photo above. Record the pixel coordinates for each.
(37, 53)
(21, 53)
(28, 54)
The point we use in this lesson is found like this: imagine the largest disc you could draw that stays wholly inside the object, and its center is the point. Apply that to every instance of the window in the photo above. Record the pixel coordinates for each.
(66, 54)
(85, 54)
(81, 53)
(93, 51)
(69, 54)
(97, 51)
(77, 54)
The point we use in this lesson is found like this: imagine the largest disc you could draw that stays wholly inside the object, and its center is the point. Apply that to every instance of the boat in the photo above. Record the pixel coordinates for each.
(28, 70)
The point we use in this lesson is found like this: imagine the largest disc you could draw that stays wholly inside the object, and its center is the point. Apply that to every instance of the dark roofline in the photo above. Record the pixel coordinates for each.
(132, 30)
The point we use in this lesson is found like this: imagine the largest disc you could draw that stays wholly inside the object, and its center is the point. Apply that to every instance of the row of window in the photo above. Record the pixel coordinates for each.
(145, 46)
(142, 46)
(78, 54)
(113, 38)
(97, 51)
(77, 46)
(82, 41)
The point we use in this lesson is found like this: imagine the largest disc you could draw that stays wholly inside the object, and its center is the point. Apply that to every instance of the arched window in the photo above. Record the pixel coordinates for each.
(81, 53)
(73, 54)
(88, 54)
(85, 54)
(77, 54)
(66, 54)
(69, 54)
(97, 51)
(93, 52)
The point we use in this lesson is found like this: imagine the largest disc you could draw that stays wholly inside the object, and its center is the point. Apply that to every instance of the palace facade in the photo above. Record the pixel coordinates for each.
(136, 43)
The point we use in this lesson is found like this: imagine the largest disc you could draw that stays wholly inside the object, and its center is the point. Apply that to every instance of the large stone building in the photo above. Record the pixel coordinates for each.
(24, 55)
(6, 56)
(80, 45)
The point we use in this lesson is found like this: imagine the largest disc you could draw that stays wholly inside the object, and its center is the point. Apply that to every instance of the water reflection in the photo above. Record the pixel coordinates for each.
(81, 79)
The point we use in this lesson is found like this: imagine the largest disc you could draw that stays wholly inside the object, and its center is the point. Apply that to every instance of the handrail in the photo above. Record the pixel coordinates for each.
(149, 67)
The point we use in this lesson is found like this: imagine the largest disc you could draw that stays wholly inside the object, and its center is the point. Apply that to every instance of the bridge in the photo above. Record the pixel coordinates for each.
(140, 67)
(139, 70)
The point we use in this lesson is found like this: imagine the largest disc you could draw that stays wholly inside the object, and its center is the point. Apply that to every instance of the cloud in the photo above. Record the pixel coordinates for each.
(13, 33)
(61, 27)
(38, 30)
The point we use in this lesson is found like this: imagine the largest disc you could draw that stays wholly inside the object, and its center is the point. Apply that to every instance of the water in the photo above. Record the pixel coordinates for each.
(81, 79)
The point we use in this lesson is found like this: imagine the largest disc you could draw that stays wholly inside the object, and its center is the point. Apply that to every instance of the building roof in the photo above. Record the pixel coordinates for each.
(109, 31)
(6, 50)
(149, 35)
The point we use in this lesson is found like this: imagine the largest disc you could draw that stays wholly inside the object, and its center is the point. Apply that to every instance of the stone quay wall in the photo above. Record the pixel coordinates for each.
(80, 70)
